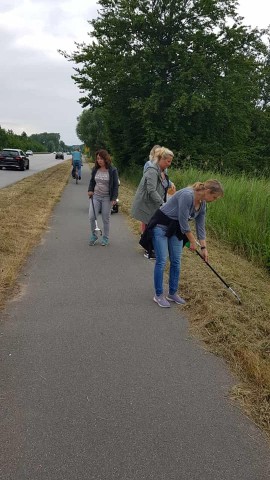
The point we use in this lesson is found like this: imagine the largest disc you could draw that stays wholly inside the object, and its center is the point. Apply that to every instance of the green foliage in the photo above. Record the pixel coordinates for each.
(242, 217)
(8, 139)
(38, 142)
(188, 75)
(51, 141)
(91, 129)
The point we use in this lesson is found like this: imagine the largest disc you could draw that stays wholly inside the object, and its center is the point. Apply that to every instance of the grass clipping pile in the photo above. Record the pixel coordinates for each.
(24, 211)
(238, 333)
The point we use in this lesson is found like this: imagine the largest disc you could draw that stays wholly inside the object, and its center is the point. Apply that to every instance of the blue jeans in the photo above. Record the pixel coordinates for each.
(163, 247)
(77, 164)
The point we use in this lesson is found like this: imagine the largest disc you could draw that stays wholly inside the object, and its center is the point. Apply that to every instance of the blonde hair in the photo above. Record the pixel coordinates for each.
(162, 152)
(213, 185)
(152, 152)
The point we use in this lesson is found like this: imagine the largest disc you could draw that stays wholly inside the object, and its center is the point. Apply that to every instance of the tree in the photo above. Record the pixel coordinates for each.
(8, 139)
(51, 141)
(91, 129)
(174, 72)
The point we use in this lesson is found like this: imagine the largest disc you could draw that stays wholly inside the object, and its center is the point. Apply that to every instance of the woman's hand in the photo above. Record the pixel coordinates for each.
(113, 202)
(90, 194)
(172, 188)
(193, 246)
(204, 254)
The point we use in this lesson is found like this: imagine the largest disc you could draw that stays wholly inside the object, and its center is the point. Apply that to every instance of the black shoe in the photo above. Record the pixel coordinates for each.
(80, 178)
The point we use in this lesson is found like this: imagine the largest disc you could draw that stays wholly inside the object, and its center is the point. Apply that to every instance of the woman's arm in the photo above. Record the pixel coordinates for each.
(115, 185)
(185, 207)
(201, 234)
(92, 183)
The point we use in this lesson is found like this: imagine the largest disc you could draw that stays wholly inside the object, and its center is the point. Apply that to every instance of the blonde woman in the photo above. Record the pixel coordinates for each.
(169, 225)
(151, 157)
(152, 190)
(149, 163)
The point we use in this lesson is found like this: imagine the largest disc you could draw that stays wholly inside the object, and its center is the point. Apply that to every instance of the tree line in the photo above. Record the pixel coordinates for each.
(37, 142)
(187, 74)
(8, 139)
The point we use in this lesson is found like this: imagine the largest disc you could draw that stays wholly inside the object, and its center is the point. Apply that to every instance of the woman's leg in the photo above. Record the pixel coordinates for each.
(175, 252)
(106, 215)
(97, 206)
(160, 243)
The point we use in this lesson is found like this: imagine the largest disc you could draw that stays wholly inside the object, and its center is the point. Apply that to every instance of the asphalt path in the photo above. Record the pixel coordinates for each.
(38, 163)
(99, 383)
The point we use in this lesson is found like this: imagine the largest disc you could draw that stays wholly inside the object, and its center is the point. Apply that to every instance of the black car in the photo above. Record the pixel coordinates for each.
(59, 155)
(14, 157)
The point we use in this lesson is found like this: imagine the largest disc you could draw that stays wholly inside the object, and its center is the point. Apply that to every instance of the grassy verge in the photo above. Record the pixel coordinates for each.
(238, 333)
(24, 211)
(242, 217)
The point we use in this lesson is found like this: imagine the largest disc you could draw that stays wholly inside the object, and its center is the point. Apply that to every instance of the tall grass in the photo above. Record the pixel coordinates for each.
(242, 217)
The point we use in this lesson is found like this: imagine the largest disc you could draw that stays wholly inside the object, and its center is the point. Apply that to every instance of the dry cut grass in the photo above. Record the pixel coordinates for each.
(238, 333)
(24, 211)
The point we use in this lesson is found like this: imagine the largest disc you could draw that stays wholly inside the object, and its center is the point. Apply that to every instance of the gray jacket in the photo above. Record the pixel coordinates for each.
(149, 195)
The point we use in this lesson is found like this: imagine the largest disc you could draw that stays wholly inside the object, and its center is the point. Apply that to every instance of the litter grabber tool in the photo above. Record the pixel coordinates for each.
(217, 274)
(97, 229)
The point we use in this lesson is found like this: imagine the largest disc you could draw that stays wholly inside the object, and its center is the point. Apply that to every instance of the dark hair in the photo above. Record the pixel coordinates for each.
(105, 156)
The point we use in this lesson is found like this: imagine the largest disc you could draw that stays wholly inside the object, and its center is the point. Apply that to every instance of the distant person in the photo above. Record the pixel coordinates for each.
(103, 189)
(151, 157)
(76, 161)
(170, 225)
(152, 190)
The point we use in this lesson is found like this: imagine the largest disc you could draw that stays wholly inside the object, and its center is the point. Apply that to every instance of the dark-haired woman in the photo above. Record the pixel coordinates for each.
(103, 187)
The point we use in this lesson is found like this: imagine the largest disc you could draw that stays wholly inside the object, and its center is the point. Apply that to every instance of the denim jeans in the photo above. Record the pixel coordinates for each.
(79, 169)
(163, 247)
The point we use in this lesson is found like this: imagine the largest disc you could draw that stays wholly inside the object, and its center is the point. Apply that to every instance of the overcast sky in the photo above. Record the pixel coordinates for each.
(36, 91)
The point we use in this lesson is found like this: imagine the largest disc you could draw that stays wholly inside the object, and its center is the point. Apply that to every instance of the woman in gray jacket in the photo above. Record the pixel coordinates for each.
(152, 189)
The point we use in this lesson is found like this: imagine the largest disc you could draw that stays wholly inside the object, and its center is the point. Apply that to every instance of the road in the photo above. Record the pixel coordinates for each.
(99, 383)
(38, 162)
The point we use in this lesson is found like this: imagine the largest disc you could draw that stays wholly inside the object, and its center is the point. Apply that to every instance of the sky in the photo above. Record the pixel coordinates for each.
(37, 93)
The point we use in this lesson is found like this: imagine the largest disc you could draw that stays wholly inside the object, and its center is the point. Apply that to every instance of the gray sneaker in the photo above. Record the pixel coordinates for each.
(176, 298)
(93, 240)
(161, 301)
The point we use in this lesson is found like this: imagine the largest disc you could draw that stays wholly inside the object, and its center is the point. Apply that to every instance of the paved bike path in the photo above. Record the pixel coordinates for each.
(99, 383)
